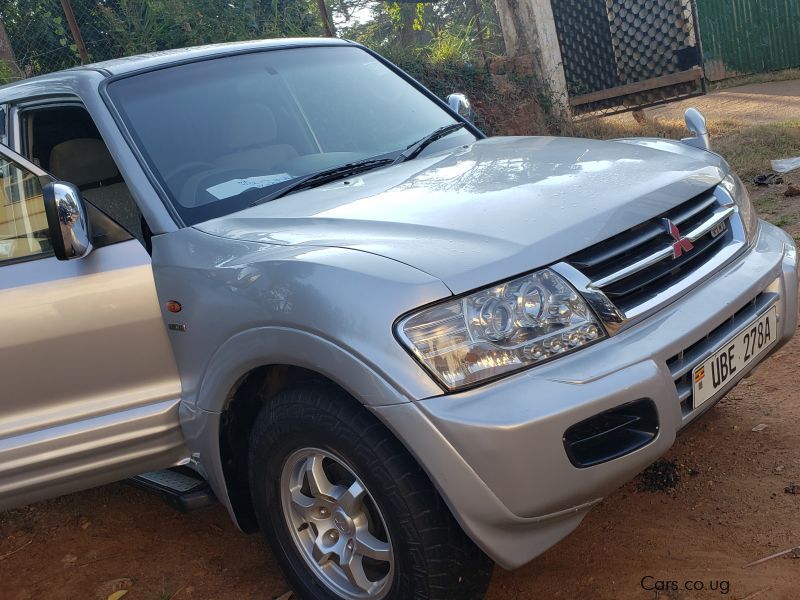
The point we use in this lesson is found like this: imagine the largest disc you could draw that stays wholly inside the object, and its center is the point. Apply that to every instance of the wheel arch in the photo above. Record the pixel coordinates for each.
(249, 370)
(253, 391)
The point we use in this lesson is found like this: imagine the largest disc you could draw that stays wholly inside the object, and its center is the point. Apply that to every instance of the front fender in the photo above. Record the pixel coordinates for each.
(261, 346)
(245, 305)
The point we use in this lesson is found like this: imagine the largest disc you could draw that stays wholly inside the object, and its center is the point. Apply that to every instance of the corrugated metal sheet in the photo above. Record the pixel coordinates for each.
(749, 36)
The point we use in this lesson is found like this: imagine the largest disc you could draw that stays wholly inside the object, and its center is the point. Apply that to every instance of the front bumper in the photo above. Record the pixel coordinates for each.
(497, 454)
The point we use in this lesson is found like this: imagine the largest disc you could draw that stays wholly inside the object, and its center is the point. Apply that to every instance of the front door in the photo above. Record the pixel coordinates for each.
(89, 389)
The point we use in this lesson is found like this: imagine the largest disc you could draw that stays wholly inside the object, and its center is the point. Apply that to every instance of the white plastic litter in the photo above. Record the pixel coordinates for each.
(784, 165)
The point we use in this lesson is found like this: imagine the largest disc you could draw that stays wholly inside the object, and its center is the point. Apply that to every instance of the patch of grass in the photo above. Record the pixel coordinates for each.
(605, 129)
(782, 221)
(765, 204)
(625, 126)
(749, 149)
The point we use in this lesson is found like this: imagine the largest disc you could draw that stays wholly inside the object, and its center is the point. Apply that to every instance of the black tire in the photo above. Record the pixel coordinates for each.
(434, 559)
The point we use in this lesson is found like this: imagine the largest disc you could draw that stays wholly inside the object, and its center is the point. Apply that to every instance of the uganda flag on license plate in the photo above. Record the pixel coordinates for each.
(698, 376)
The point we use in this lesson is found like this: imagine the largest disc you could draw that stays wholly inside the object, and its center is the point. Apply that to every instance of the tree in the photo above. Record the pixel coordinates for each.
(8, 62)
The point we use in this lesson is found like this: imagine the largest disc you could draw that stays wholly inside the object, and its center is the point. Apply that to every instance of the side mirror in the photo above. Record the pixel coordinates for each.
(696, 123)
(67, 223)
(460, 104)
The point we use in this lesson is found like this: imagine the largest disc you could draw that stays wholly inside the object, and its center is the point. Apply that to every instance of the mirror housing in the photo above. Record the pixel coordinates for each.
(696, 123)
(67, 223)
(461, 105)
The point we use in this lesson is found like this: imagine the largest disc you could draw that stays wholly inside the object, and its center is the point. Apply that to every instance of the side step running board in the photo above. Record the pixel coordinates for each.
(181, 488)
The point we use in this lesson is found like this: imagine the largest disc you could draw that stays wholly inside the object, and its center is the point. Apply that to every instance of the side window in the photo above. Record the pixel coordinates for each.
(23, 224)
(64, 141)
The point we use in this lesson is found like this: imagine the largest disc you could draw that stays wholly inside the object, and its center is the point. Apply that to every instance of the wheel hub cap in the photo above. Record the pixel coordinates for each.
(343, 522)
(335, 525)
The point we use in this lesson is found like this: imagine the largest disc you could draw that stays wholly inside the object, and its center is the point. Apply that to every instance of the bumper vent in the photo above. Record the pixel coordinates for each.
(635, 266)
(612, 434)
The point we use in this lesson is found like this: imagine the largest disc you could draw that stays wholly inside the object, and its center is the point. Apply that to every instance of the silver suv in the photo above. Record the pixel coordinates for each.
(399, 349)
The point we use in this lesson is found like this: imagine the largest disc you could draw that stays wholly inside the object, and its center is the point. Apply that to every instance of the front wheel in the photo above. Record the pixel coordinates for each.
(348, 512)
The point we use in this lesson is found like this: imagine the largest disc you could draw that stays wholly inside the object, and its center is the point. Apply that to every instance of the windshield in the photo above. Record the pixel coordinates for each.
(221, 134)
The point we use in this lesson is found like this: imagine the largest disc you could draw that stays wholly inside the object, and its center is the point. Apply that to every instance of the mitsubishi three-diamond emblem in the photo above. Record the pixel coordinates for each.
(681, 244)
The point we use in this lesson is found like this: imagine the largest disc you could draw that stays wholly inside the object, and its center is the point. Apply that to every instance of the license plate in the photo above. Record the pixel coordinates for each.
(733, 358)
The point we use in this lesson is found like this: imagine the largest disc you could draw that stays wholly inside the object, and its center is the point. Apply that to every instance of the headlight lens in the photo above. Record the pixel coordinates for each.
(734, 186)
(501, 329)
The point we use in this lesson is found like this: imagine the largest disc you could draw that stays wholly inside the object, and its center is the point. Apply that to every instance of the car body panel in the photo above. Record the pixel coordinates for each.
(247, 304)
(143, 62)
(83, 344)
(490, 210)
(496, 452)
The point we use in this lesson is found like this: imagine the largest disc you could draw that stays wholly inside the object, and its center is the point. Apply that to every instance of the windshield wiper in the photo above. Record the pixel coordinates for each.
(414, 149)
(326, 176)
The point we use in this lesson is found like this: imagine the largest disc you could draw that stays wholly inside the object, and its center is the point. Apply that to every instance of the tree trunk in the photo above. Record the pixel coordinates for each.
(327, 21)
(408, 14)
(476, 13)
(7, 54)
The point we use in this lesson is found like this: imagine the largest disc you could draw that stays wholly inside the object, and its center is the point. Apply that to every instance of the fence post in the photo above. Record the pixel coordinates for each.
(530, 28)
(75, 30)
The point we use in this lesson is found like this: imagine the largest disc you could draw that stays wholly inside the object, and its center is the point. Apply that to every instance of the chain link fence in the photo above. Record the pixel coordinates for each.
(38, 37)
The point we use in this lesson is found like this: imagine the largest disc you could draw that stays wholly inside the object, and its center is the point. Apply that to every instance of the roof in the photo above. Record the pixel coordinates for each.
(119, 66)
(129, 64)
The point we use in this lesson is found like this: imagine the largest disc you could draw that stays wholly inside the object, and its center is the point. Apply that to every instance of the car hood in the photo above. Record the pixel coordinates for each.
(489, 210)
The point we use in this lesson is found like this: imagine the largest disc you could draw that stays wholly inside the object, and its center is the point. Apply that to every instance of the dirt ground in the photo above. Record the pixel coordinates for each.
(731, 504)
(771, 102)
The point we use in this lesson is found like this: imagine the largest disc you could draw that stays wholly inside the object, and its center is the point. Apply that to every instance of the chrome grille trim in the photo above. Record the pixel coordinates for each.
(630, 276)
(649, 231)
(611, 317)
(720, 215)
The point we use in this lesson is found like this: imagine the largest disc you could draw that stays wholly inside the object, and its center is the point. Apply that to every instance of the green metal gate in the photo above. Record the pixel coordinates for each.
(749, 36)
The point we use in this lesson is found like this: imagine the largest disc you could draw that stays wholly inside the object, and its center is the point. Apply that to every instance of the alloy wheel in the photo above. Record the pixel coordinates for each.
(336, 525)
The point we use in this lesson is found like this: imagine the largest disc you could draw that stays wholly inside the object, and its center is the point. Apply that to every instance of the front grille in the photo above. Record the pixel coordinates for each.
(682, 364)
(635, 266)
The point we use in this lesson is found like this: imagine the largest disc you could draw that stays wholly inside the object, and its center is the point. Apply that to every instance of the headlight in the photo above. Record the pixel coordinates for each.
(734, 186)
(504, 328)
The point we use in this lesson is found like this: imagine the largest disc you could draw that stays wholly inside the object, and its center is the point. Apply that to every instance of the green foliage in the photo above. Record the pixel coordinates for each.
(439, 32)
(444, 30)
(452, 46)
(137, 26)
(6, 75)
(113, 28)
(146, 25)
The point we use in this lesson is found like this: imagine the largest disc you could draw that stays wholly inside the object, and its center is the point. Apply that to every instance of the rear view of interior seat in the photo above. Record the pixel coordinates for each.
(251, 139)
(87, 163)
